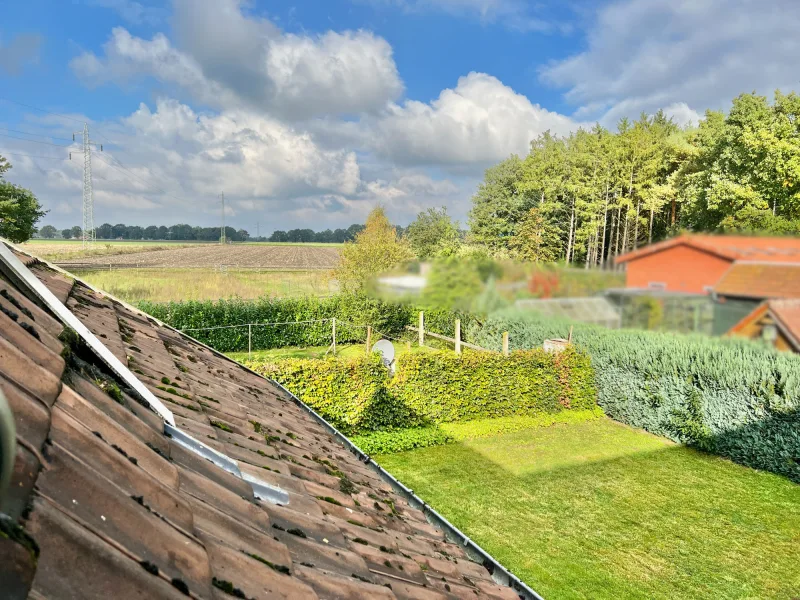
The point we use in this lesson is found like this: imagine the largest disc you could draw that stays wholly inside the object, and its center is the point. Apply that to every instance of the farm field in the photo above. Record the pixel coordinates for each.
(601, 510)
(284, 258)
(176, 284)
(69, 250)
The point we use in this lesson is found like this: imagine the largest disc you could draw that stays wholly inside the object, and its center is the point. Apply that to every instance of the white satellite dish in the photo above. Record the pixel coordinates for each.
(386, 349)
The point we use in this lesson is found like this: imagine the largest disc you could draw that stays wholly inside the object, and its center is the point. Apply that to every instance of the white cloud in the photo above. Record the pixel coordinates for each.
(131, 11)
(648, 54)
(519, 15)
(22, 50)
(228, 59)
(480, 121)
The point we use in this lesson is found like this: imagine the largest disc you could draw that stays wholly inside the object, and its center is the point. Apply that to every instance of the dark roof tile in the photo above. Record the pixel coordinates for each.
(339, 587)
(130, 520)
(76, 563)
(16, 365)
(252, 576)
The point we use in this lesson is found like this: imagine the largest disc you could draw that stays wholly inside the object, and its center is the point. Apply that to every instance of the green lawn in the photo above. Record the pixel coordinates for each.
(601, 510)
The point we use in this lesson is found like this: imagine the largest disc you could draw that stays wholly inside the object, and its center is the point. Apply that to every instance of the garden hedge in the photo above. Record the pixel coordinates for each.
(360, 310)
(359, 395)
(733, 397)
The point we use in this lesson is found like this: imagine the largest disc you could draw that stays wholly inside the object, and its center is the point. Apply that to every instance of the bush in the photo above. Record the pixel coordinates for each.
(443, 386)
(358, 395)
(359, 310)
(729, 396)
(350, 393)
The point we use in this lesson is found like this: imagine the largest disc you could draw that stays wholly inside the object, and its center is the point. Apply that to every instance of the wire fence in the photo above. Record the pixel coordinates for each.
(324, 332)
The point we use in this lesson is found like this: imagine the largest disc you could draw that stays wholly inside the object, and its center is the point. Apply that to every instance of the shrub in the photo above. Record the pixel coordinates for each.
(732, 397)
(358, 395)
(350, 393)
(443, 386)
(359, 310)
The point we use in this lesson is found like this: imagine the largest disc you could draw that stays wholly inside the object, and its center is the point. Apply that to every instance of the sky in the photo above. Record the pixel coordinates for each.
(309, 113)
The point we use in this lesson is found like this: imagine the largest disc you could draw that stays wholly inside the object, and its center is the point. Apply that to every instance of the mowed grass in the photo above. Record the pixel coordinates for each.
(601, 510)
(164, 285)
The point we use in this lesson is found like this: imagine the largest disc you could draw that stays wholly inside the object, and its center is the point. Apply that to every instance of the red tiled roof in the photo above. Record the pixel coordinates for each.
(787, 315)
(120, 510)
(733, 247)
(760, 280)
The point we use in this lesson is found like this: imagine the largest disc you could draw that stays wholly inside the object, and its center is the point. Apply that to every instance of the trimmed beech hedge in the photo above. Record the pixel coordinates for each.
(732, 397)
(430, 387)
(386, 317)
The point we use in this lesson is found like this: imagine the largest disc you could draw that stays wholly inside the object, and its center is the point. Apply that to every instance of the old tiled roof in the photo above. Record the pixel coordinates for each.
(732, 247)
(760, 280)
(104, 505)
(787, 316)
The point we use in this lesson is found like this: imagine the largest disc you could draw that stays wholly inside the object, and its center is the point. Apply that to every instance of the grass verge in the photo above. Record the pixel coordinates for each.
(600, 510)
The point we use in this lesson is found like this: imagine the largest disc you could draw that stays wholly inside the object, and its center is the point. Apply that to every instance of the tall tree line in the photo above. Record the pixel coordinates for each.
(595, 194)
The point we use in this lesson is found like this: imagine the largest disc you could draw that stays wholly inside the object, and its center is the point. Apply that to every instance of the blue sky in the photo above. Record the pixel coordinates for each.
(308, 113)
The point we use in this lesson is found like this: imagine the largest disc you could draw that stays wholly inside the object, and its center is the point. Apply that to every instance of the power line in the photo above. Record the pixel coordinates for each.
(120, 166)
(42, 110)
(32, 155)
(53, 114)
(35, 134)
(14, 137)
(131, 173)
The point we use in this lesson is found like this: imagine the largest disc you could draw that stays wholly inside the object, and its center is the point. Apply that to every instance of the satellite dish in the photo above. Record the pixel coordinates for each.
(386, 349)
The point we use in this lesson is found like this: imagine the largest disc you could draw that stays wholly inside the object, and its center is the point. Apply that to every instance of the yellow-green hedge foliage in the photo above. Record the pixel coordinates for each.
(358, 395)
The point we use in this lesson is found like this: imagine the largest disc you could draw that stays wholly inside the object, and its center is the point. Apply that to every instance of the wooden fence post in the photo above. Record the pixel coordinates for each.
(421, 328)
(458, 336)
(249, 342)
(505, 343)
(369, 338)
(334, 335)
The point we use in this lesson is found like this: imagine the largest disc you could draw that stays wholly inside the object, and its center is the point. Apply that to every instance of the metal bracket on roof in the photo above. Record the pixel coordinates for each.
(261, 489)
(24, 275)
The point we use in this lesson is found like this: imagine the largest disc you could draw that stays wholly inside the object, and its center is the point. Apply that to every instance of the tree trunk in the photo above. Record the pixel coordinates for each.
(636, 226)
(625, 234)
(569, 240)
(672, 221)
(602, 262)
(650, 235)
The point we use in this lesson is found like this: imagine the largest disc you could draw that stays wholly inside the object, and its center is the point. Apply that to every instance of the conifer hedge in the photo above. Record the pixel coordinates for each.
(359, 395)
(733, 397)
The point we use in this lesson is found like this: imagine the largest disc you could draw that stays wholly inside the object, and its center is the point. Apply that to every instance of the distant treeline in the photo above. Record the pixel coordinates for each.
(183, 232)
(329, 236)
(180, 232)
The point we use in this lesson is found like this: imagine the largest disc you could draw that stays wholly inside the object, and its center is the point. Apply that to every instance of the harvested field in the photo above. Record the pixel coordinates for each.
(165, 285)
(284, 258)
(72, 251)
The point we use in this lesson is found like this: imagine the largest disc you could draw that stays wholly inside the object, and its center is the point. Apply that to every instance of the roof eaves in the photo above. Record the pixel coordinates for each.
(785, 330)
